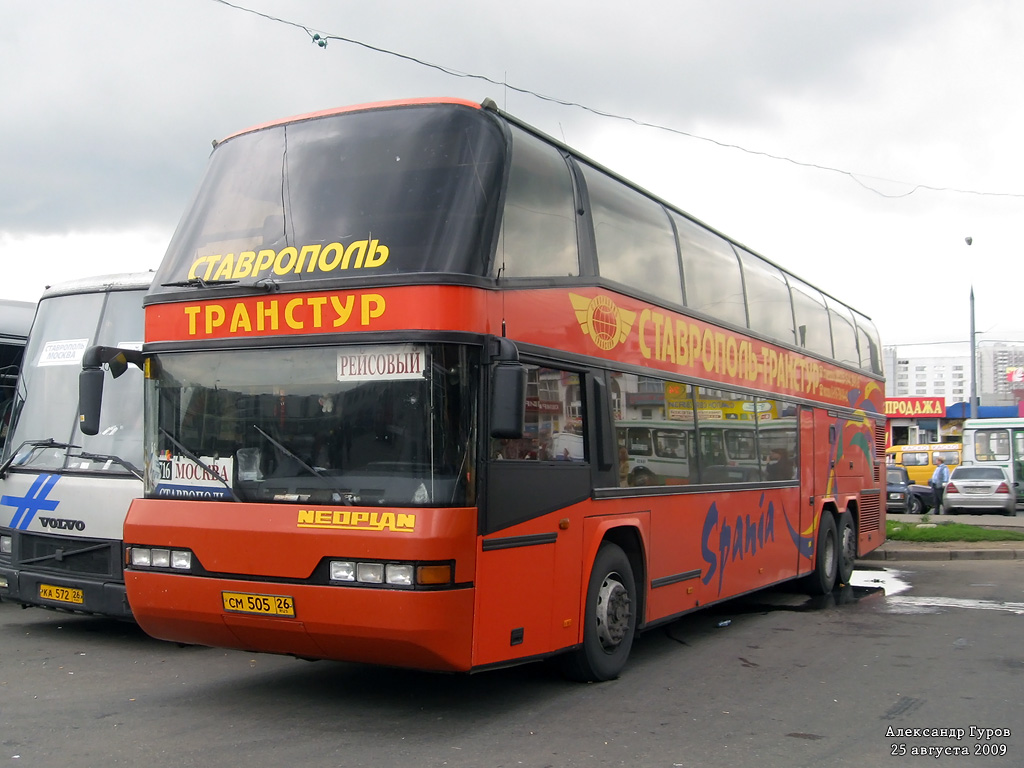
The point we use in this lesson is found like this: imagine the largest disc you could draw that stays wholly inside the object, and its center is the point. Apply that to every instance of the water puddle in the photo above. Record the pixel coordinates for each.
(907, 604)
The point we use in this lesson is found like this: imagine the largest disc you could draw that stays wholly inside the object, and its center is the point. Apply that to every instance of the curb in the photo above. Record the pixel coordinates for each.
(943, 554)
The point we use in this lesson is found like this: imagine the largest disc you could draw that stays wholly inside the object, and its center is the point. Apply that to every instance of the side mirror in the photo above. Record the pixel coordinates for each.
(90, 396)
(508, 400)
(508, 393)
(90, 381)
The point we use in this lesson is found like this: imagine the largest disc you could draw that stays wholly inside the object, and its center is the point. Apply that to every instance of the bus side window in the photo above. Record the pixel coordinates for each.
(554, 420)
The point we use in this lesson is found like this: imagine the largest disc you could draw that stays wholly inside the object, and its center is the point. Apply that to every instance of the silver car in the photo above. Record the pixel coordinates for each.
(979, 489)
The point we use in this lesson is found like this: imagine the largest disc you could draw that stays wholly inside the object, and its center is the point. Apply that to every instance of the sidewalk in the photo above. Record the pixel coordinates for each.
(953, 550)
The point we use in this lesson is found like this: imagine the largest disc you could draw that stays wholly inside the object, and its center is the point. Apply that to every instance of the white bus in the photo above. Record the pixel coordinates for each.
(665, 452)
(15, 320)
(64, 495)
(998, 443)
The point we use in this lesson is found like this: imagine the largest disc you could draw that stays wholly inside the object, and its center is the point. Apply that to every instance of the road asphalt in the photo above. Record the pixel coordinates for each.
(954, 550)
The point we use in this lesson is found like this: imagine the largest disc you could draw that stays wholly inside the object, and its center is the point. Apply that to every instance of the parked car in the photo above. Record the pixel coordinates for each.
(979, 489)
(903, 496)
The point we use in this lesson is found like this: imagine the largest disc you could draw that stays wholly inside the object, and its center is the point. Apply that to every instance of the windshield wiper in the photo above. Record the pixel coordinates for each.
(198, 282)
(112, 458)
(284, 449)
(190, 455)
(35, 445)
(328, 483)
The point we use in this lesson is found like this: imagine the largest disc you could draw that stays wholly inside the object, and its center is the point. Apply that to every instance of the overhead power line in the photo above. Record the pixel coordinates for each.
(322, 38)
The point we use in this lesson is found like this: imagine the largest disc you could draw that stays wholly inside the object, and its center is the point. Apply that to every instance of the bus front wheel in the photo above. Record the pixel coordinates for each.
(609, 619)
(826, 558)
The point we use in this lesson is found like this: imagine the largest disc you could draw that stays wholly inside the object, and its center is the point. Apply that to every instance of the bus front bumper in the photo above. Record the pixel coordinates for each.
(429, 630)
(69, 592)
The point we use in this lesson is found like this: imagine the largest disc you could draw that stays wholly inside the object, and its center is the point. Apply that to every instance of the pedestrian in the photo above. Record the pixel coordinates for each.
(938, 483)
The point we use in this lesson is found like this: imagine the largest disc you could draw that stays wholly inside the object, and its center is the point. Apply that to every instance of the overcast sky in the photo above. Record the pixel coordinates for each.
(900, 124)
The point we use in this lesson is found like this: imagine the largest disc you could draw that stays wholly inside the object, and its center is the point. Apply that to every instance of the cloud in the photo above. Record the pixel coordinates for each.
(109, 121)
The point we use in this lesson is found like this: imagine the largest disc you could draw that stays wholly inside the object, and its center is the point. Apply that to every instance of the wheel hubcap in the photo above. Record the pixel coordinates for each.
(849, 548)
(613, 612)
(830, 555)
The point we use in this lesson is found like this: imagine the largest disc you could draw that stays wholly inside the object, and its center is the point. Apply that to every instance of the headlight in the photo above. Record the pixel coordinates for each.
(159, 557)
(392, 574)
(398, 573)
(5, 545)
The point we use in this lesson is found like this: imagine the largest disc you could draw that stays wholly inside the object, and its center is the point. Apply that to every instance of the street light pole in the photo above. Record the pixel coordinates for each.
(974, 364)
(974, 353)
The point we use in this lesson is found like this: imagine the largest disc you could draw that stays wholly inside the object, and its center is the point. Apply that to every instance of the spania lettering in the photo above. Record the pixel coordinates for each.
(744, 536)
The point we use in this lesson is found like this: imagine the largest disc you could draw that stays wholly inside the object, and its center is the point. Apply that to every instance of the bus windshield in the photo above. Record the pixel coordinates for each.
(44, 432)
(378, 192)
(360, 426)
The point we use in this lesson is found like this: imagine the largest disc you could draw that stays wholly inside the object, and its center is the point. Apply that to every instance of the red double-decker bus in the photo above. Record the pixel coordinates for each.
(402, 363)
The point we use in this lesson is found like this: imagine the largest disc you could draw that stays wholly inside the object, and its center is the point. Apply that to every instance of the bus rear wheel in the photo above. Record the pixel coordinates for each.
(826, 558)
(846, 538)
(609, 619)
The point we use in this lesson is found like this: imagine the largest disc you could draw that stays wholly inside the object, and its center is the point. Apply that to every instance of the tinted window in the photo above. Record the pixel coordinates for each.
(554, 420)
(812, 324)
(635, 242)
(404, 190)
(870, 347)
(768, 302)
(711, 273)
(381, 425)
(844, 334)
(727, 437)
(655, 432)
(777, 439)
(539, 220)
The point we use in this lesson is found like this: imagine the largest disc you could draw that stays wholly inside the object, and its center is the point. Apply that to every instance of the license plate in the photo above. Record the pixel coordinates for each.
(263, 605)
(976, 490)
(61, 594)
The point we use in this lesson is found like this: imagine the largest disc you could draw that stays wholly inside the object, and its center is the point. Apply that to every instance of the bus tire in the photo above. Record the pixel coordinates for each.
(822, 579)
(609, 619)
(846, 539)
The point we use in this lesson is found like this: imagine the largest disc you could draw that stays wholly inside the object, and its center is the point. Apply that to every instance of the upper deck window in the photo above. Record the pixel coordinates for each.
(844, 334)
(385, 191)
(538, 232)
(768, 302)
(711, 274)
(635, 242)
(812, 322)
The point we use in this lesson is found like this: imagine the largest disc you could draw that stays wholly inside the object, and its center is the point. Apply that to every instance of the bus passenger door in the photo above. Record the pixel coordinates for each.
(813, 476)
(535, 492)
